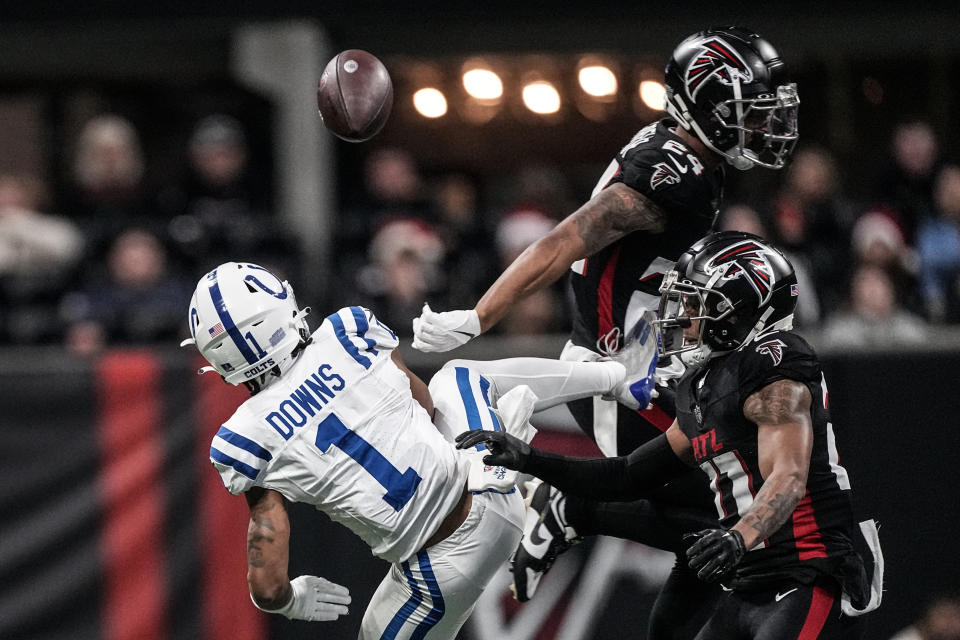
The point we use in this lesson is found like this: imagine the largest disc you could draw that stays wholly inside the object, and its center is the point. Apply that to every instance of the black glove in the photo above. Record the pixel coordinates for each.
(505, 450)
(715, 552)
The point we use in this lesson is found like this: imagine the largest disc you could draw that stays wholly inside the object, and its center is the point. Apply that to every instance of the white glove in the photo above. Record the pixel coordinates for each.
(437, 332)
(314, 599)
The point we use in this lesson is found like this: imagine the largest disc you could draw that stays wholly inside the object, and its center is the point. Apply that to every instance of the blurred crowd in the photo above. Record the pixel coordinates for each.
(104, 260)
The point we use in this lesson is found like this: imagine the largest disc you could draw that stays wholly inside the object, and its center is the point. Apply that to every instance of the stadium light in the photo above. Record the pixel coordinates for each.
(430, 102)
(598, 81)
(653, 94)
(483, 84)
(541, 97)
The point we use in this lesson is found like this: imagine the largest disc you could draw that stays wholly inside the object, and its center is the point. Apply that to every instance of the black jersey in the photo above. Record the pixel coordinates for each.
(626, 275)
(818, 538)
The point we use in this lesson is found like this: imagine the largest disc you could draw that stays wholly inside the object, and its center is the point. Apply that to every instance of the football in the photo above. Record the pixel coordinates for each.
(355, 95)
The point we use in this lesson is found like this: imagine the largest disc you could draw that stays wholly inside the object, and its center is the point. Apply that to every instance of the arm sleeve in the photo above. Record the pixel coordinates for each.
(623, 478)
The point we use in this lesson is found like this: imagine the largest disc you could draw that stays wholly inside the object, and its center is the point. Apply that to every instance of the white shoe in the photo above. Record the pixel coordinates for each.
(639, 356)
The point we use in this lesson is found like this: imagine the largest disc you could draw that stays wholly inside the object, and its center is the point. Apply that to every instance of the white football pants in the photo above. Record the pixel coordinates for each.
(431, 594)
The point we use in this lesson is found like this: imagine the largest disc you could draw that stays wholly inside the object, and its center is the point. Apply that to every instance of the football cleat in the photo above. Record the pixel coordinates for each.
(546, 534)
(639, 356)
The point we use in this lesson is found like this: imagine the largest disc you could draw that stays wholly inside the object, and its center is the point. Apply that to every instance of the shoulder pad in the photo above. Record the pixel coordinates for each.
(775, 356)
(238, 459)
(361, 334)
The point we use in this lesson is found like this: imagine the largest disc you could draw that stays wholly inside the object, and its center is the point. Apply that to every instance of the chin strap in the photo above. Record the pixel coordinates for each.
(696, 358)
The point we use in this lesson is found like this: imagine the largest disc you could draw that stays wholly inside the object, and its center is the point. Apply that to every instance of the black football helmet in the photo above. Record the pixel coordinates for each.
(728, 86)
(736, 285)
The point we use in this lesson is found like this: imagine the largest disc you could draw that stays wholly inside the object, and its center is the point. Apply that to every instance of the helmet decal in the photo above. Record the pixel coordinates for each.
(227, 321)
(279, 295)
(194, 321)
(716, 59)
(774, 349)
(216, 330)
(747, 260)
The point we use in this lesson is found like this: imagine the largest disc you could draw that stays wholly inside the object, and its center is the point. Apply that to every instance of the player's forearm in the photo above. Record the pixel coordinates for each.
(776, 500)
(538, 267)
(268, 540)
(629, 477)
(600, 478)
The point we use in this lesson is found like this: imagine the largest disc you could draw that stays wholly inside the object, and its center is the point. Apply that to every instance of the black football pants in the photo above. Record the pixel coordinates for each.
(790, 612)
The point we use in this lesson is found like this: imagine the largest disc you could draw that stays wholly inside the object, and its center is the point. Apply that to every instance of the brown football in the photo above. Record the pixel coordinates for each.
(355, 95)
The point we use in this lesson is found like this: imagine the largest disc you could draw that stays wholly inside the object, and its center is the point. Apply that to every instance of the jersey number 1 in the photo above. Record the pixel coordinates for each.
(400, 486)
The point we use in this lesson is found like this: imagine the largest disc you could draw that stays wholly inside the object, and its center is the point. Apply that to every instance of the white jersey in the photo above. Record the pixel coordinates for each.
(340, 430)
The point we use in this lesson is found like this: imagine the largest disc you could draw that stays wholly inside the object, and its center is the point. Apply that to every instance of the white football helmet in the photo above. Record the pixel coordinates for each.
(245, 322)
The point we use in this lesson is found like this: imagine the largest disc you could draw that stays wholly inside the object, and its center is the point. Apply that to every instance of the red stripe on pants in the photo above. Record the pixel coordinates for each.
(656, 416)
(806, 531)
(132, 450)
(605, 295)
(228, 613)
(820, 605)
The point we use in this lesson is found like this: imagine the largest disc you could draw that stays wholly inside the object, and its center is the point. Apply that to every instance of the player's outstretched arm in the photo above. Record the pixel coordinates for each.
(781, 411)
(608, 216)
(268, 552)
(627, 477)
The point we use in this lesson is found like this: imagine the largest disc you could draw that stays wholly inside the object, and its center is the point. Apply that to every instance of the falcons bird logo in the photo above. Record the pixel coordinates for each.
(663, 174)
(716, 59)
(774, 349)
(747, 260)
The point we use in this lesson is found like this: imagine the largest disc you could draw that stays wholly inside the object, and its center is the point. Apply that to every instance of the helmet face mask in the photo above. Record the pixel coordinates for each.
(728, 87)
(685, 312)
(766, 128)
(725, 290)
(245, 322)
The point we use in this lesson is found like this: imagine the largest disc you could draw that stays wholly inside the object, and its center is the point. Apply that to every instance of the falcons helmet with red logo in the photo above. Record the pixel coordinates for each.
(728, 86)
(736, 285)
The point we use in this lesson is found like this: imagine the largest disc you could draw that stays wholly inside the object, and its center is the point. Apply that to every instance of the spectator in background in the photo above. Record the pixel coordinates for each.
(138, 299)
(940, 621)
(938, 250)
(406, 257)
(878, 240)
(37, 255)
(810, 220)
(393, 189)
(542, 311)
(906, 183)
(741, 217)
(219, 212)
(469, 265)
(874, 317)
(108, 177)
(544, 189)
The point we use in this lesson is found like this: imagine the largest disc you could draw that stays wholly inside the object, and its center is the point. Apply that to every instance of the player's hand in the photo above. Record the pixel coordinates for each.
(715, 552)
(505, 450)
(436, 332)
(315, 600)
